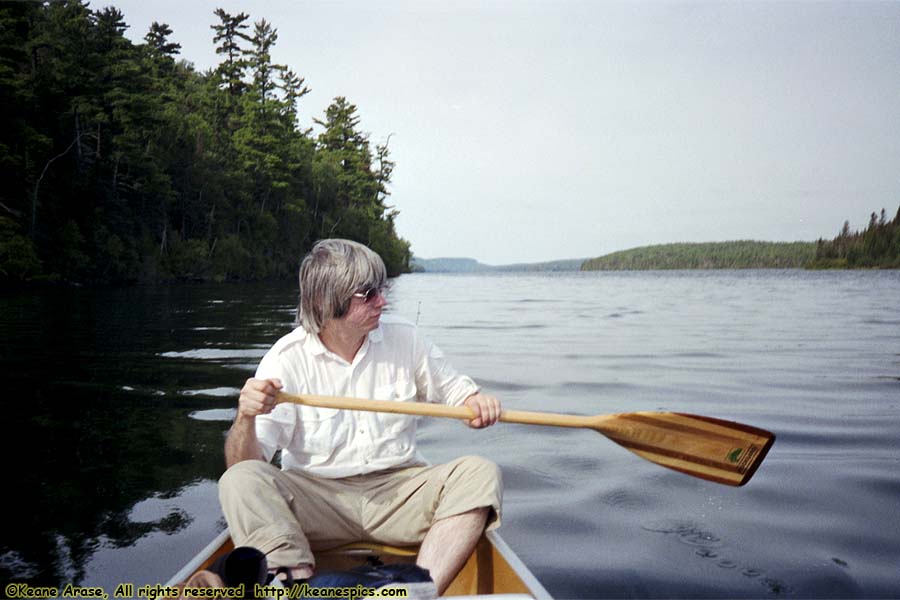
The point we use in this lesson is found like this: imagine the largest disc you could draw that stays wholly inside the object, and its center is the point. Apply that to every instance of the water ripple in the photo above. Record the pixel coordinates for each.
(506, 386)
(215, 414)
(216, 354)
(219, 392)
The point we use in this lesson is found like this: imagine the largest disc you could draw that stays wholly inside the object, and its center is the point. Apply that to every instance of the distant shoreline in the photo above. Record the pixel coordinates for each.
(471, 265)
(710, 255)
(741, 254)
(876, 247)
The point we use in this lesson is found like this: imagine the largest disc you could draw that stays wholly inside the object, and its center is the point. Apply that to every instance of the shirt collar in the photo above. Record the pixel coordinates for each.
(376, 336)
(314, 343)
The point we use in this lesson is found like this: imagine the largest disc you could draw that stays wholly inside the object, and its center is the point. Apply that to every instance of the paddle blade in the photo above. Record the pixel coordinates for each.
(711, 449)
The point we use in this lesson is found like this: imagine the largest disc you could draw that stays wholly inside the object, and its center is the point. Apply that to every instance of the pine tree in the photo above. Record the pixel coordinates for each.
(228, 33)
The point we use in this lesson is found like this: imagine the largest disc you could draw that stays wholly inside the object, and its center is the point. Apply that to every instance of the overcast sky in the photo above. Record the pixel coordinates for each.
(532, 131)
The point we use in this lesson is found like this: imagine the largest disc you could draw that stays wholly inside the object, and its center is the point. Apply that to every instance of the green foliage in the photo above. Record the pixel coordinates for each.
(186, 260)
(714, 255)
(72, 261)
(122, 164)
(231, 259)
(878, 246)
(18, 259)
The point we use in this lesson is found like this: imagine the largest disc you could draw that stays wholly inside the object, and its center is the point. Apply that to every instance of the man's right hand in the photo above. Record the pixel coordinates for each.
(258, 397)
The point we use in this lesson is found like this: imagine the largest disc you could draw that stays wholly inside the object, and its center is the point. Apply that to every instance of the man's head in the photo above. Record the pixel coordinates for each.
(330, 274)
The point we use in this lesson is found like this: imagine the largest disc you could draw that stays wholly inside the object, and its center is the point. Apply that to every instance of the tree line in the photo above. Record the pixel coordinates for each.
(744, 254)
(877, 246)
(121, 163)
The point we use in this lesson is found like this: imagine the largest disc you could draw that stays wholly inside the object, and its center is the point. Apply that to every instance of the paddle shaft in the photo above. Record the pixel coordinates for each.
(435, 410)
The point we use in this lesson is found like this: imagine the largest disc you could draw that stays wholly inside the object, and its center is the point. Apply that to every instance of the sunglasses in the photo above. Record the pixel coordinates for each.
(371, 293)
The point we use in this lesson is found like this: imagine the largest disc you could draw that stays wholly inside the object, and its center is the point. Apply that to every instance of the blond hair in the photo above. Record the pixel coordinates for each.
(330, 274)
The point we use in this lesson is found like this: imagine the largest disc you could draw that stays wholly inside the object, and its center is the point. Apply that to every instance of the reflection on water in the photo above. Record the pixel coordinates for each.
(101, 448)
(117, 402)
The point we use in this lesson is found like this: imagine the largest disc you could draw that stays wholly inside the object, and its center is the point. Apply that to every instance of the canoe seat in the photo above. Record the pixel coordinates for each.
(370, 548)
(356, 554)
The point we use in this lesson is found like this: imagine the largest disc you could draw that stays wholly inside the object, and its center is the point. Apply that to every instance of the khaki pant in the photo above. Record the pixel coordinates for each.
(287, 514)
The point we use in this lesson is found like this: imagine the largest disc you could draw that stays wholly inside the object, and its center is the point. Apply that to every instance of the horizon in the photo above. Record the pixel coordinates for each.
(586, 258)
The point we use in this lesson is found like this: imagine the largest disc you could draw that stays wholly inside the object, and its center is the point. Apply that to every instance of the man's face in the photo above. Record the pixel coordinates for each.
(365, 310)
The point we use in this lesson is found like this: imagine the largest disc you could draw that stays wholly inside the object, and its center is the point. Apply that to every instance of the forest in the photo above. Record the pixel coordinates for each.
(877, 246)
(710, 255)
(122, 164)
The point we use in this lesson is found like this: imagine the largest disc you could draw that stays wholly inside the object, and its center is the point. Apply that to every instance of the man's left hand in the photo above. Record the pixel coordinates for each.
(487, 410)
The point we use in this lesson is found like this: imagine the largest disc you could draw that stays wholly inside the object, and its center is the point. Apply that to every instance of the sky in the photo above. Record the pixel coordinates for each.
(528, 131)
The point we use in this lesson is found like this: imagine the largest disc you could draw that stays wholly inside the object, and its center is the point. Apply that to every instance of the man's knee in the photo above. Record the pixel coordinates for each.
(478, 476)
(481, 469)
(474, 483)
(245, 475)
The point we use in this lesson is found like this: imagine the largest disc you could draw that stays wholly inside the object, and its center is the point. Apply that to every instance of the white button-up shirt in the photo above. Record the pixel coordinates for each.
(394, 363)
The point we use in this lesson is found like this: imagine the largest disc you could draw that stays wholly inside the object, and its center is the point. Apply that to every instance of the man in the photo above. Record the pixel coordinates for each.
(352, 475)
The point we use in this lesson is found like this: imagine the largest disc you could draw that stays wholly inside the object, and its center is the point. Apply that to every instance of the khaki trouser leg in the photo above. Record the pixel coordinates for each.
(403, 508)
(279, 512)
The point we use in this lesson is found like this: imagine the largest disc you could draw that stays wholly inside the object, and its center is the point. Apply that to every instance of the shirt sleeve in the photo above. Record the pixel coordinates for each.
(275, 430)
(436, 379)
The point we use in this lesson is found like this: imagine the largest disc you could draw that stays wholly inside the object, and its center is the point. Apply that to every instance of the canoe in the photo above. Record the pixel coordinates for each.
(492, 569)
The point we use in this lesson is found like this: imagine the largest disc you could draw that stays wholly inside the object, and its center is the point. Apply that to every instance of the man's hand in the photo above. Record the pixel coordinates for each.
(487, 410)
(258, 397)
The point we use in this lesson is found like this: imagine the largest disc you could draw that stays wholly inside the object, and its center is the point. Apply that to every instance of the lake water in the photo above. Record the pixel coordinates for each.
(116, 403)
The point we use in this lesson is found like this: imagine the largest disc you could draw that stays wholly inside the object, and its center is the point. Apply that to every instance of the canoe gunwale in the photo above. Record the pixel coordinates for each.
(524, 573)
(201, 557)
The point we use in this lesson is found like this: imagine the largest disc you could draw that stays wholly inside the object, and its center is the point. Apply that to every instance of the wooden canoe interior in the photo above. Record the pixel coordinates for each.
(485, 572)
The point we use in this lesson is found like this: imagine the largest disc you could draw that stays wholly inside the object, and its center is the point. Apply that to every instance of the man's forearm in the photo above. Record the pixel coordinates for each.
(241, 443)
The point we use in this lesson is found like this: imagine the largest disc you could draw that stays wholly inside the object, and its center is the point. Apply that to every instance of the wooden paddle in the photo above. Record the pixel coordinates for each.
(711, 449)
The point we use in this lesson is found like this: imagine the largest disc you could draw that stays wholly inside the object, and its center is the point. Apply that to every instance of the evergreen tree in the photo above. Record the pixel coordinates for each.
(877, 246)
(228, 33)
(157, 39)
